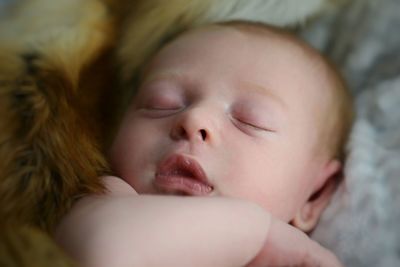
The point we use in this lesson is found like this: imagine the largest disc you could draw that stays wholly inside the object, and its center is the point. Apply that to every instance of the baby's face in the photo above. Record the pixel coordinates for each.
(224, 113)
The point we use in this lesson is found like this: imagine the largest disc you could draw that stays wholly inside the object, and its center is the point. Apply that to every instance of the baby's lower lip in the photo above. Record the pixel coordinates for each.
(181, 185)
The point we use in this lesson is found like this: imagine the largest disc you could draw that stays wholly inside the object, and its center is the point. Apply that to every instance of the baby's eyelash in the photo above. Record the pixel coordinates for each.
(160, 108)
(155, 112)
(253, 126)
(250, 125)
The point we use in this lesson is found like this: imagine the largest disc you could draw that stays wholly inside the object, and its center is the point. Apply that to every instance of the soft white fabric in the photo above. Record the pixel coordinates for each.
(362, 223)
(276, 12)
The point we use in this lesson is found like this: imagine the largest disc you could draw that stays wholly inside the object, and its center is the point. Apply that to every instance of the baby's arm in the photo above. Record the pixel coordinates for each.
(124, 229)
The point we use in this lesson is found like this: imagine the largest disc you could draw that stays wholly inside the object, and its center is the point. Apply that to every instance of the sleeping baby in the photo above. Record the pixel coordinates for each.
(248, 121)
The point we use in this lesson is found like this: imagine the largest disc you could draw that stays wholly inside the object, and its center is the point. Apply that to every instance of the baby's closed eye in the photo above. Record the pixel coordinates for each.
(253, 117)
(161, 101)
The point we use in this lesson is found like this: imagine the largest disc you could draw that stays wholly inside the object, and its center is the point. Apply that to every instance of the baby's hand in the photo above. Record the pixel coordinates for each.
(288, 246)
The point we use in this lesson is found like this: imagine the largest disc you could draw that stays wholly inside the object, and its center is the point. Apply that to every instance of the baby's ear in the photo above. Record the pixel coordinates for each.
(308, 215)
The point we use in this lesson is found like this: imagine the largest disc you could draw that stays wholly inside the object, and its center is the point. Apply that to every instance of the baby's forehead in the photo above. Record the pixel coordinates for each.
(289, 43)
(282, 38)
(277, 50)
(270, 37)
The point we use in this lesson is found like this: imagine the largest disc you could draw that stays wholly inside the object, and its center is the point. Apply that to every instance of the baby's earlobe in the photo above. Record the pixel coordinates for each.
(305, 219)
(308, 215)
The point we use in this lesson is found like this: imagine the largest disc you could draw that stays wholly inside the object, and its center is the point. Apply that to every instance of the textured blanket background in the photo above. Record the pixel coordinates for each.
(362, 224)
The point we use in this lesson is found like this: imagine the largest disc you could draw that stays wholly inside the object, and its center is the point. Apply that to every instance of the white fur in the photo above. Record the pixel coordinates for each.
(362, 223)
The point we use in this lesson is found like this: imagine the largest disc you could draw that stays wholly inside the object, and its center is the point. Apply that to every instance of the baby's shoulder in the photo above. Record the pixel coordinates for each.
(117, 186)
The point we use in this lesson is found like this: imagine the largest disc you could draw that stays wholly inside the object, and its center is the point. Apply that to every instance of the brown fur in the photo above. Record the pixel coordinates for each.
(51, 89)
(26, 246)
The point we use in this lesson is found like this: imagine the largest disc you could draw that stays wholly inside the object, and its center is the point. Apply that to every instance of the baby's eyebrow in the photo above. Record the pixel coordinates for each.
(263, 91)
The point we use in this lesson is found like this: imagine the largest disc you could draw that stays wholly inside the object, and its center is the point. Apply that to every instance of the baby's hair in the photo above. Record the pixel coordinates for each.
(336, 123)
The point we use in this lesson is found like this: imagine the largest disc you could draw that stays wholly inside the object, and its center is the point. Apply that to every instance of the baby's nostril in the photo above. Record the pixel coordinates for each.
(203, 134)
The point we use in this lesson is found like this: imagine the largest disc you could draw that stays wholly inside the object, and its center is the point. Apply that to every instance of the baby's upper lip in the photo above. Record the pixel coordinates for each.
(183, 165)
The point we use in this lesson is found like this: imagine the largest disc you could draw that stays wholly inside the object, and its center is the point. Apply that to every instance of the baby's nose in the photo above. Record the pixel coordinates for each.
(195, 125)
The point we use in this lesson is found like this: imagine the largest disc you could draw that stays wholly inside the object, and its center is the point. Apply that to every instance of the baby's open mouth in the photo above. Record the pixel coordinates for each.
(181, 175)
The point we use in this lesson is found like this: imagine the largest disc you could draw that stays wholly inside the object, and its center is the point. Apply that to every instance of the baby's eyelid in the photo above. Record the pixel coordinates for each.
(152, 112)
(254, 126)
(251, 125)
(164, 102)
